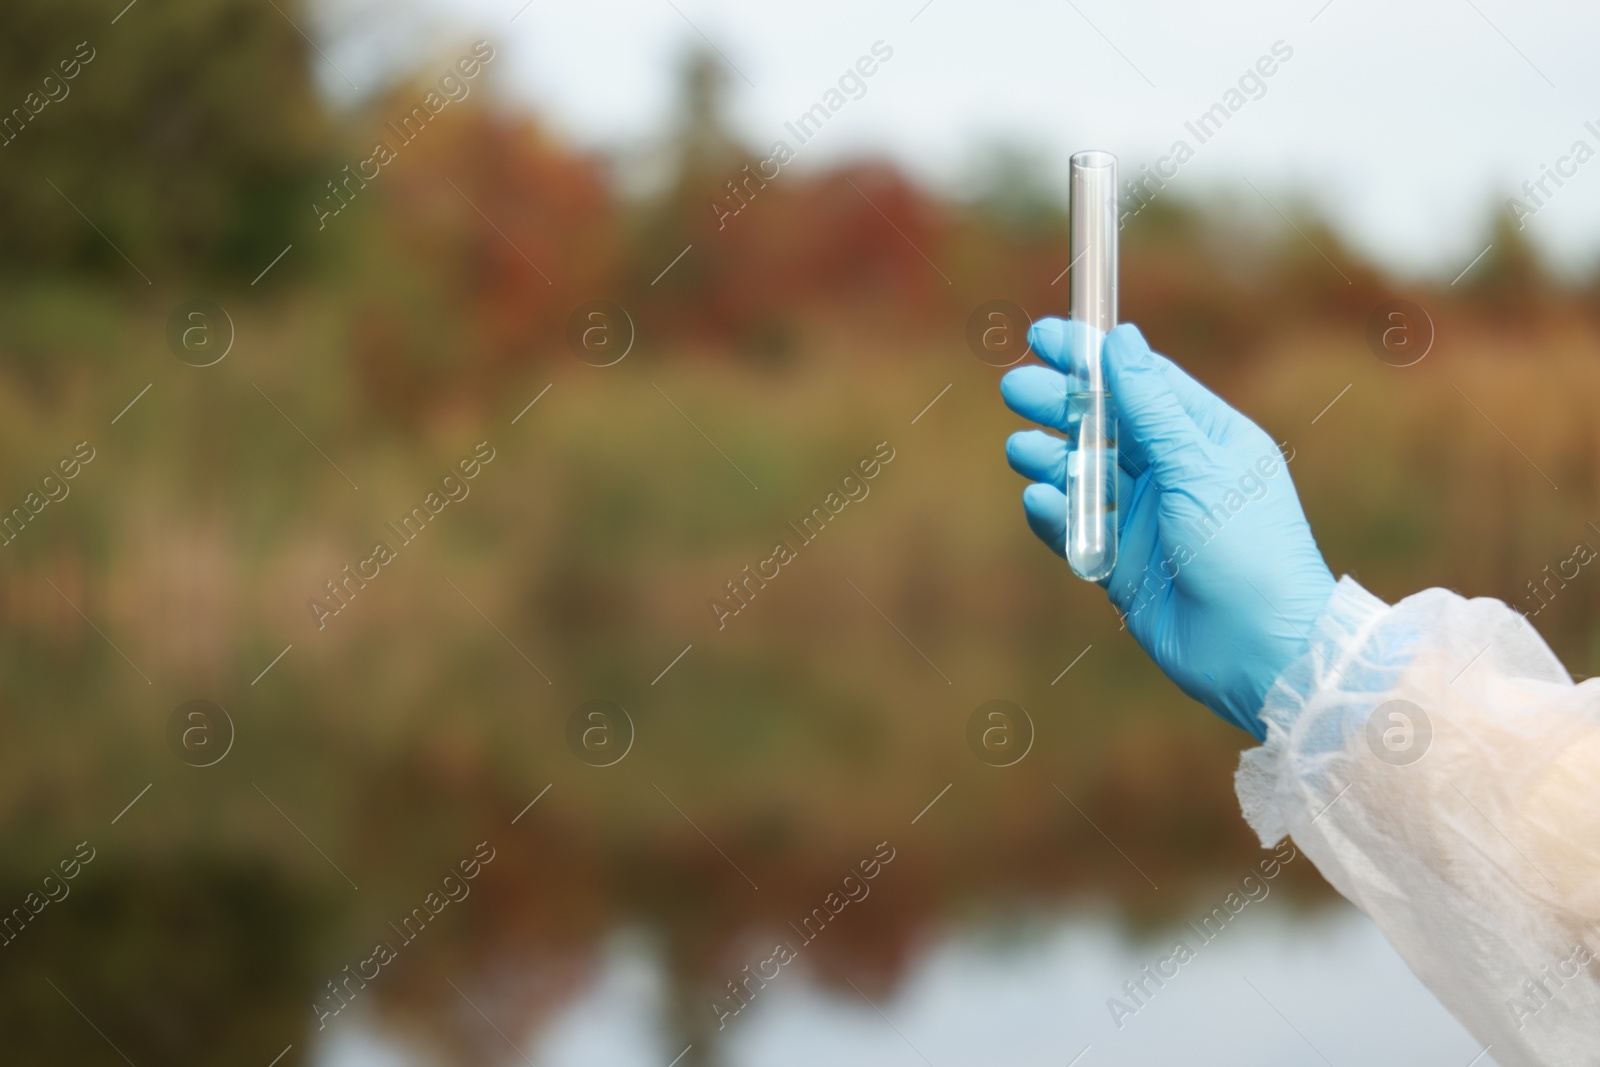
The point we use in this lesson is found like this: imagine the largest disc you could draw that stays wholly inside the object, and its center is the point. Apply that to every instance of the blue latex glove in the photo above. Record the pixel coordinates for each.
(1217, 577)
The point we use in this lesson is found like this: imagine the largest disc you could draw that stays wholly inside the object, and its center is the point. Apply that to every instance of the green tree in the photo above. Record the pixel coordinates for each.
(189, 132)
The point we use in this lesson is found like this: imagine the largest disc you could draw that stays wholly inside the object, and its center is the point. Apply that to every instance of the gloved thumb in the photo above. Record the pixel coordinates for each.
(1156, 432)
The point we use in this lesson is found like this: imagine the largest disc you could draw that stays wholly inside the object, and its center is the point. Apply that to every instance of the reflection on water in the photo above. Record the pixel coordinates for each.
(1284, 988)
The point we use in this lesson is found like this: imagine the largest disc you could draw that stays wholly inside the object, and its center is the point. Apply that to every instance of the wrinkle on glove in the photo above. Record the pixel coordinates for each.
(1480, 860)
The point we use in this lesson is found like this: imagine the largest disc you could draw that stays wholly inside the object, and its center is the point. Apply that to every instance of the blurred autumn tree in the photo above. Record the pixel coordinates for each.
(190, 135)
(773, 250)
(462, 260)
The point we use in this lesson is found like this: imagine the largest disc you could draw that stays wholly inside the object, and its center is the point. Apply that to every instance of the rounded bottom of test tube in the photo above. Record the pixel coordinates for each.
(1096, 568)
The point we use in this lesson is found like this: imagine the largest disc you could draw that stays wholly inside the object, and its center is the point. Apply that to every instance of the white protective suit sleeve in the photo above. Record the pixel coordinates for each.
(1480, 860)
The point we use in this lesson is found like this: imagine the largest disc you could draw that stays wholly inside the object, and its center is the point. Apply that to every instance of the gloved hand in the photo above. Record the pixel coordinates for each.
(1217, 575)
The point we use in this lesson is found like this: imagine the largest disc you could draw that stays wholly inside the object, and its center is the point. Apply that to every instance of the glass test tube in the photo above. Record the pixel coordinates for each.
(1091, 534)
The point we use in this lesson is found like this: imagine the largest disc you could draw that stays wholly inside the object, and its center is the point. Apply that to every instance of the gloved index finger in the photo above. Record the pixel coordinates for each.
(1054, 341)
(1051, 340)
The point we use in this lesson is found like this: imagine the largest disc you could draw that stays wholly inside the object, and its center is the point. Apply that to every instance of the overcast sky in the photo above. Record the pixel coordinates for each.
(1403, 121)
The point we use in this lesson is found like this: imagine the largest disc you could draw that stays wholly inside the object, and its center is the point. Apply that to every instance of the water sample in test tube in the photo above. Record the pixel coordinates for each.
(1091, 418)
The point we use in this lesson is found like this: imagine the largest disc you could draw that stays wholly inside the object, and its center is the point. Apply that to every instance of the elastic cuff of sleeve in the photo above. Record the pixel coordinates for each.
(1306, 703)
(1334, 658)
